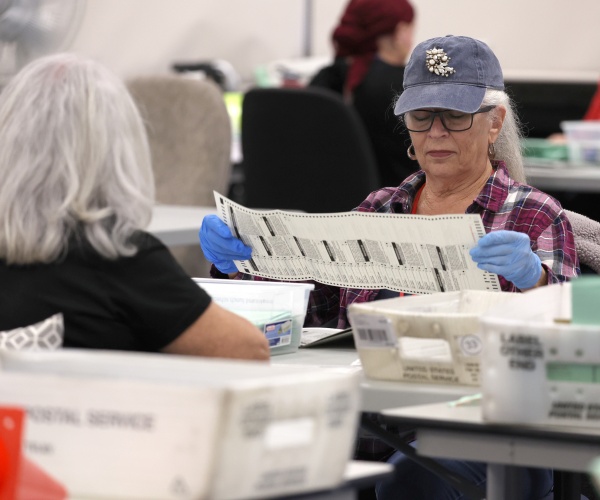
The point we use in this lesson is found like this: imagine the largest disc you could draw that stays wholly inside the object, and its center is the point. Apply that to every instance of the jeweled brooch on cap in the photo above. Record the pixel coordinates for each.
(437, 62)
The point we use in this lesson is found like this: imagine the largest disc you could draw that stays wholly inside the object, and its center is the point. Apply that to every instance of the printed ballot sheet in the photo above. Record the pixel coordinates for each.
(406, 253)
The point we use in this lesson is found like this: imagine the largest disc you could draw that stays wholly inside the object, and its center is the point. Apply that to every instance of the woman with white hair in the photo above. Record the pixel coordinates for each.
(466, 139)
(76, 193)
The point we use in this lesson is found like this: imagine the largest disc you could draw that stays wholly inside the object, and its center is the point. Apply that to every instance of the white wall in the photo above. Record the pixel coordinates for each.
(533, 38)
(547, 38)
(144, 36)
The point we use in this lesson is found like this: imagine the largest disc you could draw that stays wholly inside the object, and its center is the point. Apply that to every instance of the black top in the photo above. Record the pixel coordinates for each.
(138, 303)
(374, 100)
(331, 77)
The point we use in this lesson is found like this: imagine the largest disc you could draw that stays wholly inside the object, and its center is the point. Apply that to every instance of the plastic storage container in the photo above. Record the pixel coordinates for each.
(277, 308)
(583, 141)
(538, 367)
(423, 338)
(109, 424)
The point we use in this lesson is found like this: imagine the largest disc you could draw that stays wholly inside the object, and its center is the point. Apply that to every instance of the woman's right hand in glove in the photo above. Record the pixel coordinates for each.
(220, 247)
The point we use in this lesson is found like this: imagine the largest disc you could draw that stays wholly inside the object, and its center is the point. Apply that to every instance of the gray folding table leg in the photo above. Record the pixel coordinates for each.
(504, 481)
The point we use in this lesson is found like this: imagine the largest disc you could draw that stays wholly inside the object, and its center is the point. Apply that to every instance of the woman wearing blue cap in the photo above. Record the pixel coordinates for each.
(466, 139)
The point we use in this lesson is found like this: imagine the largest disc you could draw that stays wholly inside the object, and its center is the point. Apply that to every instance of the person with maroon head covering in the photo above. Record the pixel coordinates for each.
(372, 43)
(369, 28)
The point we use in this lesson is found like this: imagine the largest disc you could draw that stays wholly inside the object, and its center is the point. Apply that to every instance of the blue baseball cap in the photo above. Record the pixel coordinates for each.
(450, 72)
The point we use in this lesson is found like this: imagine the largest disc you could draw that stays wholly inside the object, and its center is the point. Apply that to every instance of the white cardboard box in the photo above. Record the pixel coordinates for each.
(154, 426)
(423, 338)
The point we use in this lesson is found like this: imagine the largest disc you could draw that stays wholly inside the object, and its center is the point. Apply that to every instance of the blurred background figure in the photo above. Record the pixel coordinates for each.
(372, 43)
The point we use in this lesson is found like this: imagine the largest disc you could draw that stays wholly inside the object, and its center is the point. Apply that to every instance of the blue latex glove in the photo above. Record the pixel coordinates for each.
(508, 253)
(219, 246)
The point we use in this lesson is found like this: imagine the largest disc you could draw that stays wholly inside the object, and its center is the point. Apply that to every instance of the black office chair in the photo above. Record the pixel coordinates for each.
(542, 105)
(304, 149)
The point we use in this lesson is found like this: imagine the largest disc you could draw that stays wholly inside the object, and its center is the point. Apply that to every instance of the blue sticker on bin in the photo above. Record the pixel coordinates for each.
(279, 333)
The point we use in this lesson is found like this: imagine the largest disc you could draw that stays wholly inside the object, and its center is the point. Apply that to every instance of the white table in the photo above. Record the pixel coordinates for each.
(376, 395)
(177, 224)
(358, 474)
(459, 432)
(560, 176)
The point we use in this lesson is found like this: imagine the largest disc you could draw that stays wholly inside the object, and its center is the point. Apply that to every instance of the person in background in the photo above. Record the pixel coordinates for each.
(77, 190)
(466, 139)
(372, 43)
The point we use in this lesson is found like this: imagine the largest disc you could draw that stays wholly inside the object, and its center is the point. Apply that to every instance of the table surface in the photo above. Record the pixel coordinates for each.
(562, 176)
(358, 474)
(460, 432)
(178, 224)
(468, 416)
(359, 470)
(376, 395)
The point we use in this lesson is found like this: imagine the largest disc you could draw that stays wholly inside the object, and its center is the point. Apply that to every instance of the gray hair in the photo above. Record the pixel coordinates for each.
(508, 144)
(74, 161)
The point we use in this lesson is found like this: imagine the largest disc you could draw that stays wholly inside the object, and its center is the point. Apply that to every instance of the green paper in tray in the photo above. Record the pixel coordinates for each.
(544, 149)
(585, 297)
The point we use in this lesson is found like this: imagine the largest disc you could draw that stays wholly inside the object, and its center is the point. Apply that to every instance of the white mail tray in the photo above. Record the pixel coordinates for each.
(423, 338)
(539, 368)
(156, 426)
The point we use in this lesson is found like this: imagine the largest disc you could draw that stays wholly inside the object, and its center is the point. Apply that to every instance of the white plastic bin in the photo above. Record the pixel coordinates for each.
(423, 338)
(583, 141)
(277, 308)
(537, 367)
(164, 427)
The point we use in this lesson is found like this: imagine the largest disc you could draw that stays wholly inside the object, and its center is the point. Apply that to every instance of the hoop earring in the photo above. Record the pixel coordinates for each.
(491, 151)
(412, 155)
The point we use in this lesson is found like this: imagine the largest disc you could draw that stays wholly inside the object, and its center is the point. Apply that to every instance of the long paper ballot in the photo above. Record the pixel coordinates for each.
(405, 253)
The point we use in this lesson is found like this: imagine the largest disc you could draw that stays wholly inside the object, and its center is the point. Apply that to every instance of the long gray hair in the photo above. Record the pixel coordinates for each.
(74, 158)
(508, 144)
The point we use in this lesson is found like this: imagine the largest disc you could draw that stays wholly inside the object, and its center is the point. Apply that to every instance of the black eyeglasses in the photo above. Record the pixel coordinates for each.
(421, 120)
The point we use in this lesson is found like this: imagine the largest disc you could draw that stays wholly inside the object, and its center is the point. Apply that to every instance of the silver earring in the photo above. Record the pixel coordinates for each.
(411, 154)
(491, 151)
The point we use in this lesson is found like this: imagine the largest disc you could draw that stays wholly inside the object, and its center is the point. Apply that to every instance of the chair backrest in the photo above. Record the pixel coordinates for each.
(542, 105)
(586, 232)
(304, 149)
(190, 139)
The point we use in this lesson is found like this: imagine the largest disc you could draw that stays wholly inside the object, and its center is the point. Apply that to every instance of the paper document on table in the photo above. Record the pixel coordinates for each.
(405, 253)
